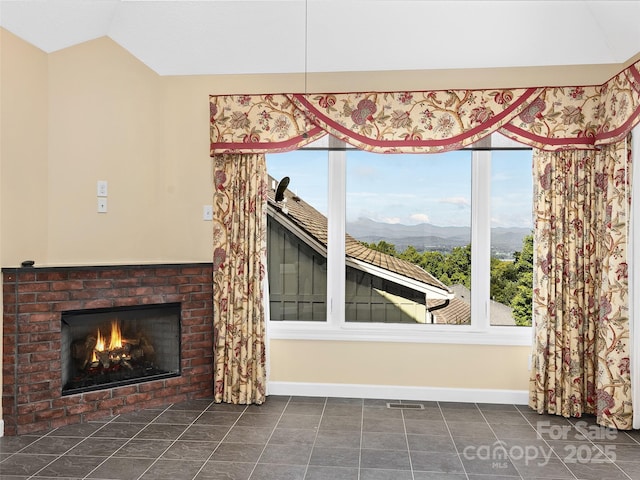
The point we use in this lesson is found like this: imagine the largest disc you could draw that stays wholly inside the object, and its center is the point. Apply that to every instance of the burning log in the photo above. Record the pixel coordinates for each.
(104, 358)
(103, 352)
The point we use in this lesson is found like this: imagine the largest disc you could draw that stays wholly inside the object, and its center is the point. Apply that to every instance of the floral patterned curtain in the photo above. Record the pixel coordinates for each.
(581, 117)
(239, 253)
(414, 122)
(580, 301)
(548, 118)
(582, 359)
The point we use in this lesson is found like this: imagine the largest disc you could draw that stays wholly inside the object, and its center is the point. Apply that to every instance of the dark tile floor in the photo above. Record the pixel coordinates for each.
(303, 438)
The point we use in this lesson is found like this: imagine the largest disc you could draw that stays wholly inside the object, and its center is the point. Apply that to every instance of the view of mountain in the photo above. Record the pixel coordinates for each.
(424, 236)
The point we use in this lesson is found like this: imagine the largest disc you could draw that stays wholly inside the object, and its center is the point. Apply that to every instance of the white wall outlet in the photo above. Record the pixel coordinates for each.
(102, 188)
(102, 204)
(207, 212)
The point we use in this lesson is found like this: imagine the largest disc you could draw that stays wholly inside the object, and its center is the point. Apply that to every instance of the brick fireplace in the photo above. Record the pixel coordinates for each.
(34, 300)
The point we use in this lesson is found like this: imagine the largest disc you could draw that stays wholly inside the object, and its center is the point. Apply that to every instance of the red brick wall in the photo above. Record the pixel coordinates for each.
(34, 299)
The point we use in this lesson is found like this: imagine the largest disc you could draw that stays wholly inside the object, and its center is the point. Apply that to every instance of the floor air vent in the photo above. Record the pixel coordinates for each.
(406, 406)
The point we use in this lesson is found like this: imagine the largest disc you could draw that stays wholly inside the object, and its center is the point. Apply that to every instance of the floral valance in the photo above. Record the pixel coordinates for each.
(548, 118)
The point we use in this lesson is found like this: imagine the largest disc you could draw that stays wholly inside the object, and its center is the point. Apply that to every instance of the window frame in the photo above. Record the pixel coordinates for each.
(336, 328)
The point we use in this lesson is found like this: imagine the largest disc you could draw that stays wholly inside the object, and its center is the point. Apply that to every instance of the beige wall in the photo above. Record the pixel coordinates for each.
(23, 152)
(111, 120)
(93, 112)
(400, 364)
(24, 170)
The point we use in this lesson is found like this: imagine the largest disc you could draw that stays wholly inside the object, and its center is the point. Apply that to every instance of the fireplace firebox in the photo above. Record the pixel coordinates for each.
(109, 347)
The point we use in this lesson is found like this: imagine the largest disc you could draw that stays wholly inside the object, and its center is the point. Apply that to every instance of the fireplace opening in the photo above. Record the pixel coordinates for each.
(108, 347)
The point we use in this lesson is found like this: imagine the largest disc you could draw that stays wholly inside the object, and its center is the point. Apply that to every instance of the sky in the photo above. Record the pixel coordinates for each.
(413, 189)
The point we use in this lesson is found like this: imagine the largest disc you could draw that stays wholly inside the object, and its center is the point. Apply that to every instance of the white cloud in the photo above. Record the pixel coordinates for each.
(420, 217)
(458, 201)
(512, 220)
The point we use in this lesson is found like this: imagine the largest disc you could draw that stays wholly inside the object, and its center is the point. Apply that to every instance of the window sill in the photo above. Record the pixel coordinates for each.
(447, 334)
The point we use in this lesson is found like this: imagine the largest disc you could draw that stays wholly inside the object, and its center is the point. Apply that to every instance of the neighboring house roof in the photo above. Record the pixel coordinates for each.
(459, 309)
(456, 312)
(315, 225)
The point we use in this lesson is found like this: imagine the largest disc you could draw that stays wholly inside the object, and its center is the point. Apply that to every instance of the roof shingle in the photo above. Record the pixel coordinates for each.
(315, 224)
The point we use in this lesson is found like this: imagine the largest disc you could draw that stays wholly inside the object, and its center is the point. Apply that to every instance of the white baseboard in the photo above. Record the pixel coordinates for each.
(393, 392)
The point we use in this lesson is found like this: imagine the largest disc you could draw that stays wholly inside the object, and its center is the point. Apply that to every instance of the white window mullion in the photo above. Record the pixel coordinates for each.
(336, 230)
(480, 239)
(334, 207)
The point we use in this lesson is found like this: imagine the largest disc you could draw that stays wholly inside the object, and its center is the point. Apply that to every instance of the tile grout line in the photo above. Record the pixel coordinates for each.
(255, 465)
(183, 432)
(59, 456)
(361, 438)
(406, 438)
(125, 443)
(499, 440)
(539, 436)
(574, 428)
(601, 451)
(216, 447)
(576, 433)
(146, 425)
(315, 439)
(446, 424)
(221, 440)
(186, 427)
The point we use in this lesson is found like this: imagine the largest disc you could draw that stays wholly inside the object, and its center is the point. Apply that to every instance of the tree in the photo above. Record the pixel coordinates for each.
(522, 301)
(410, 254)
(384, 247)
(457, 266)
(504, 281)
(511, 282)
(433, 262)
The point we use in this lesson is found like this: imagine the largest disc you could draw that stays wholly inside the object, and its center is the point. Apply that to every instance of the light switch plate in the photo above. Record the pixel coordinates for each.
(207, 212)
(102, 188)
(102, 205)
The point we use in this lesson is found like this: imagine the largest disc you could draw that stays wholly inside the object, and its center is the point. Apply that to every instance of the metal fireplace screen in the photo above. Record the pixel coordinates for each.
(107, 347)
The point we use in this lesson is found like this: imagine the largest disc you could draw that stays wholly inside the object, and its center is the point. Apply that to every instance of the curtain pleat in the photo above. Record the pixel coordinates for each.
(581, 351)
(239, 254)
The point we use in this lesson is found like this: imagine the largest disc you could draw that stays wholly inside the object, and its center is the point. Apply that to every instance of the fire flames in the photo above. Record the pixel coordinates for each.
(111, 350)
(115, 341)
(114, 351)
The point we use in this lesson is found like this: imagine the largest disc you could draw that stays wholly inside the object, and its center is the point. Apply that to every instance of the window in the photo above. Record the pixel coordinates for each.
(297, 261)
(412, 210)
(297, 277)
(511, 238)
(367, 245)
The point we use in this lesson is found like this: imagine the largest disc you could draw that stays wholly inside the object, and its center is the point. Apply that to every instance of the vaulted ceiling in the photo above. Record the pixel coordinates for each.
(182, 37)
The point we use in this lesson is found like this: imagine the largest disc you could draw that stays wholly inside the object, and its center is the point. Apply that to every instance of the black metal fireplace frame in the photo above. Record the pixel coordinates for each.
(176, 309)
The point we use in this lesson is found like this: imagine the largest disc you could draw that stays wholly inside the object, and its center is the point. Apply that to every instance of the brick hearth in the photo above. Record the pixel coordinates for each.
(34, 299)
